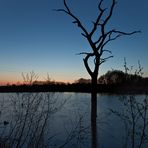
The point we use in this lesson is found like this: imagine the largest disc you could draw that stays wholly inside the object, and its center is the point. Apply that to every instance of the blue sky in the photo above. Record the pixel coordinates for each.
(34, 37)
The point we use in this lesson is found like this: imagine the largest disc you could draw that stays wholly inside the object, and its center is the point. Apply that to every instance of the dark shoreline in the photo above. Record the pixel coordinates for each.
(82, 88)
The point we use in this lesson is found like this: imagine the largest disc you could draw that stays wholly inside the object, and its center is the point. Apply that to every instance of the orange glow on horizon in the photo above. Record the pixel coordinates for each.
(10, 81)
(3, 83)
(15, 78)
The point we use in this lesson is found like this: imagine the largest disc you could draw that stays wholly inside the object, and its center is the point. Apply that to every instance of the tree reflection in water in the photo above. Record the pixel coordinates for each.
(50, 120)
(29, 115)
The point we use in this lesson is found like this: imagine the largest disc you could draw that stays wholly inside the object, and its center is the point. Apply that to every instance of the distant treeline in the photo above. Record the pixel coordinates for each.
(112, 82)
(76, 87)
(118, 77)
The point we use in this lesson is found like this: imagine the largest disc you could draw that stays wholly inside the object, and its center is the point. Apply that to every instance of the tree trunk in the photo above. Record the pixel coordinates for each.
(94, 112)
(94, 99)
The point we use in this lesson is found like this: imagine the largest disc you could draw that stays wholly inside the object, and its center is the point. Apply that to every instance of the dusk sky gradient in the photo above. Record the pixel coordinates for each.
(34, 37)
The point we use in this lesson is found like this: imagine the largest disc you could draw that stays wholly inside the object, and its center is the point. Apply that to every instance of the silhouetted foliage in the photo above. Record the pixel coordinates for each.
(83, 81)
(112, 77)
(119, 77)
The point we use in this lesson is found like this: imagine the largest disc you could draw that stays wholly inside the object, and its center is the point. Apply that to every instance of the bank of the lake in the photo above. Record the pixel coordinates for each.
(101, 88)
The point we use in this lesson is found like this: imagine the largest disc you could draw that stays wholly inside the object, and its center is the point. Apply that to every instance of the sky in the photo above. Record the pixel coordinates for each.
(34, 37)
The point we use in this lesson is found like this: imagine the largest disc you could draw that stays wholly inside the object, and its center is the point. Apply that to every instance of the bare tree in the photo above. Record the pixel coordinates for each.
(99, 42)
(30, 78)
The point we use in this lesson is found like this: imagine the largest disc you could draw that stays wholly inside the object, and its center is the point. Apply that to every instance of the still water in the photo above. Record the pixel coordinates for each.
(62, 120)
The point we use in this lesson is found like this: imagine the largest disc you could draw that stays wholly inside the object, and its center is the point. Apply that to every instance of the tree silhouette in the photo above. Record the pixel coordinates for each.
(97, 44)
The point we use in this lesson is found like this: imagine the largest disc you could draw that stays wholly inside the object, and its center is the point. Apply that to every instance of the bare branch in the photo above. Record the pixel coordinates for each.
(84, 35)
(105, 59)
(100, 38)
(84, 53)
(96, 23)
(110, 39)
(103, 37)
(86, 63)
(76, 19)
(66, 6)
(110, 12)
(99, 6)
(107, 51)
(119, 34)
(29, 78)
(60, 10)
(107, 18)
(125, 33)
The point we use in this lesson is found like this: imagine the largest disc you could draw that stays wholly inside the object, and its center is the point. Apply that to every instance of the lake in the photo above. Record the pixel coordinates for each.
(58, 120)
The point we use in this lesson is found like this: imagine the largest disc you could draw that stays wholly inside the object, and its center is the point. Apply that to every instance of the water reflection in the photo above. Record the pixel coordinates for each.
(135, 119)
(58, 120)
